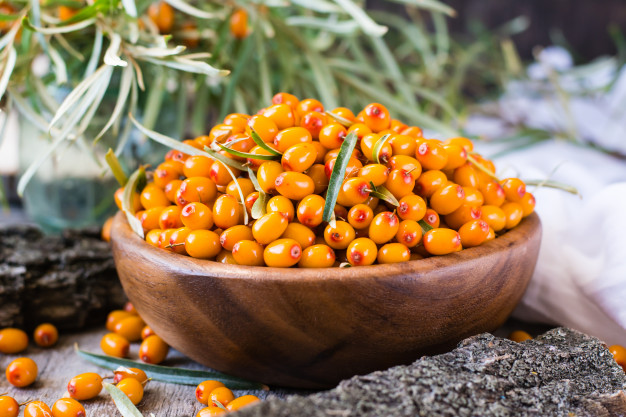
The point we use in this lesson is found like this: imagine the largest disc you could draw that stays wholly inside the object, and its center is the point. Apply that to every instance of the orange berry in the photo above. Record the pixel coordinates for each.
(360, 216)
(299, 157)
(8, 406)
(411, 207)
(413, 131)
(13, 340)
(310, 210)
(285, 98)
(130, 328)
(442, 241)
(281, 114)
(360, 130)
(362, 251)
(474, 233)
(118, 199)
(162, 14)
(170, 218)
(124, 373)
(384, 227)
(376, 117)
(313, 121)
(340, 235)
(281, 204)
(519, 336)
(132, 388)
(238, 24)
(368, 142)
(263, 126)
(286, 138)
(220, 175)
(196, 215)
(473, 197)
(68, 407)
(332, 135)
(153, 350)
(429, 181)
(203, 244)
(226, 257)
(619, 354)
(344, 112)
(167, 171)
(114, 317)
(462, 215)
(403, 144)
(204, 389)
(197, 166)
(232, 235)
(240, 402)
(196, 189)
(267, 174)
(21, 372)
(447, 199)
(294, 185)
(431, 218)
(317, 256)
(407, 163)
(377, 174)
(409, 233)
(457, 156)
(150, 218)
(494, 216)
(431, 154)
(514, 189)
(153, 196)
(221, 395)
(493, 193)
(227, 211)
(353, 191)
(147, 330)
(300, 233)
(391, 253)
(171, 189)
(318, 174)
(85, 386)
(177, 240)
(400, 183)
(282, 253)
(513, 213)
(248, 252)
(269, 227)
(466, 176)
(308, 105)
(115, 345)
(211, 411)
(37, 409)
(528, 204)
(465, 143)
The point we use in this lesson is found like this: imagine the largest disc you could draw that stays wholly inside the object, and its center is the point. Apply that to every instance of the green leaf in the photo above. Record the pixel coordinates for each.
(554, 184)
(378, 146)
(224, 159)
(260, 142)
(128, 197)
(169, 374)
(259, 207)
(339, 119)
(385, 195)
(339, 171)
(246, 154)
(433, 5)
(425, 226)
(7, 70)
(122, 98)
(358, 14)
(166, 140)
(58, 29)
(191, 10)
(122, 402)
(347, 27)
(116, 168)
(130, 7)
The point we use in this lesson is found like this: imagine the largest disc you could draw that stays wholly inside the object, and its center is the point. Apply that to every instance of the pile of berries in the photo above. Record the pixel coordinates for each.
(219, 399)
(441, 195)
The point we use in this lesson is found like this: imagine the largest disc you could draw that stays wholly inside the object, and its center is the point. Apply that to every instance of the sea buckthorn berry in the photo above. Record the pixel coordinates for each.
(197, 216)
(286, 138)
(313, 121)
(411, 207)
(318, 174)
(68, 407)
(377, 174)
(256, 163)
(473, 197)
(203, 244)
(407, 163)
(409, 233)
(494, 216)
(21, 372)
(162, 14)
(384, 227)
(519, 336)
(457, 156)
(281, 204)
(211, 411)
(447, 199)
(37, 409)
(474, 233)
(300, 233)
(166, 172)
(246, 188)
(118, 199)
(344, 112)
(221, 396)
(466, 176)
(240, 402)
(248, 252)
(362, 251)
(238, 24)
(402, 145)
(153, 196)
(514, 189)
(367, 147)
(376, 117)
(235, 234)
(130, 328)
(465, 143)
(308, 105)
(250, 200)
(431, 154)
(431, 218)
(310, 210)
(176, 156)
(317, 256)
(170, 218)
(194, 189)
(360, 130)
(392, 253)
(225, 257)
(218, 133)
(400, 183)
(171, 189)
(299, 157)
(429, 181)
(220, 175)
(528, 204)
(105, 232)
(340, 235)
(491, 235)
(493, 193)
(146, 331)
(85, 386)
(462, 215)
(334, 153)
(153, 350)
(150, 218)
(282, 253)
(226, 211)
(204, 389)
(134, 373)
(281, 114)
(360, 216)
(441, 241)
(8, 406)
(13, 340)
(513, 213)
(619, 354)
(132, 388)
(197, 166)
(267, 174)
(152, 237)
(413, 131)
(114, 317)
(352, 168)
(353, 191)
(332, 135)
(263, 126)
(128, 306)
(269, 227)
(294, 185)
(164, 239)
(321, 152)
(178, 238)
(285, 98)
(238, 121)
(397, 126)
(114, 344)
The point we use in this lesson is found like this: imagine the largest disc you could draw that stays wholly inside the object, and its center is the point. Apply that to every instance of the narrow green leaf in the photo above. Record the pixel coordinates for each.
(339, 119)
(246, 154)
(7, 70)
(130, 8)
(34, 167)
(169, 374)
(224, 159)
(92, 64)
(425, 226)
(260, 142)
(122, 98)
(191, 10)
(259, 206)
(433, 5)
(346, 27)
(378, 146)
(554, 184)
(166, 140)
(58, 29)
(481, 167)
(360, 16)
(385, 195)
(116, 167)
(339, 171)
(122, 402)
(128, 198)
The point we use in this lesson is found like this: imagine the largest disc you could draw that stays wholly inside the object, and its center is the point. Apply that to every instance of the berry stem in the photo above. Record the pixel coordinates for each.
(481, 167)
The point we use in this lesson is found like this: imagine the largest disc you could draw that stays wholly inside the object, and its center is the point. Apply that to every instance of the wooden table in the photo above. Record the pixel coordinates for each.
(60, 363)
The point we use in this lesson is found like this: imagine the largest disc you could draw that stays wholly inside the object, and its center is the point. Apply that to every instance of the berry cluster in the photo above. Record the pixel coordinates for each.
(219, 399)
(401, 196)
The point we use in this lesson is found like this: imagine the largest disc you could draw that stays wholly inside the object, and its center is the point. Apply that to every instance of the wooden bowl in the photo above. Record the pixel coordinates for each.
(311, 328)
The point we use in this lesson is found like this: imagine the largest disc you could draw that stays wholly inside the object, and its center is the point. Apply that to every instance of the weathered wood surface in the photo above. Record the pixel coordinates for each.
(311, 328)
(60, 363)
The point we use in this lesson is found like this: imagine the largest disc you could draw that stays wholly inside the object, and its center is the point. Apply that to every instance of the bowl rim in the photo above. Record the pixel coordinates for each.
(123, 238)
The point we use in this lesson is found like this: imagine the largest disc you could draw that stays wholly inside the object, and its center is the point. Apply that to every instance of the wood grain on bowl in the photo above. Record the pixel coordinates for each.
(310, 328)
